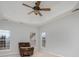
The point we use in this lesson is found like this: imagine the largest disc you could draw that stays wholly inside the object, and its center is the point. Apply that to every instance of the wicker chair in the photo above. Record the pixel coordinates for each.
(25, 49)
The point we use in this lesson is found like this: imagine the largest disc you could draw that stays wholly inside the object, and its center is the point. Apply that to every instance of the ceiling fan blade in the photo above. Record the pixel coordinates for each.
(37, 3)
(45, 9)
(40, 14)
(75, 10)
(27, 5)
(30, 12)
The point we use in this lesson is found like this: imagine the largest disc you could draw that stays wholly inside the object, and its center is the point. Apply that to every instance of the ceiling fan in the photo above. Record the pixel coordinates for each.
(36, 8)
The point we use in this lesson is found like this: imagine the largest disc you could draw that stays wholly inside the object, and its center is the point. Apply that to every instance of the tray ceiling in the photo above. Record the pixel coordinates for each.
(13, 10)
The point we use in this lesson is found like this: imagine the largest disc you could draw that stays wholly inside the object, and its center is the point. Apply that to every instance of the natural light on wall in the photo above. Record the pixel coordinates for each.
(4, 39)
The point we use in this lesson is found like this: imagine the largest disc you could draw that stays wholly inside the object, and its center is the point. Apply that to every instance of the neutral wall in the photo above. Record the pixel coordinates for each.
(19, 33)
(63, 36)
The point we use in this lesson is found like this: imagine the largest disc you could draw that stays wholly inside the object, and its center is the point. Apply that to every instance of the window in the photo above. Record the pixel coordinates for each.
(43, 36)
(4, 39)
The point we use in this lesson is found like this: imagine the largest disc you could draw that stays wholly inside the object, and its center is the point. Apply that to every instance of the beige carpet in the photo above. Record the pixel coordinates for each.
(36, 54)
(42, 54)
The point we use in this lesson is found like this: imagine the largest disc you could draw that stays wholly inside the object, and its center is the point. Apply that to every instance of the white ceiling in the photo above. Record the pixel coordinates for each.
(15, 11)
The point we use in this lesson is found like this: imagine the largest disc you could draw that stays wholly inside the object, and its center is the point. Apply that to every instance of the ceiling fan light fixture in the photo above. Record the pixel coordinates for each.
(36, 12)
(37, 8)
